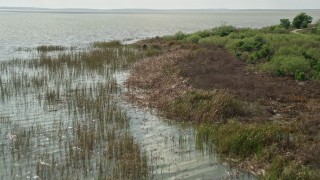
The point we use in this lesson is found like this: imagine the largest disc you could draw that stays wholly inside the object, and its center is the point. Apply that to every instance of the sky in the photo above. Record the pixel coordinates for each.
(166, 4)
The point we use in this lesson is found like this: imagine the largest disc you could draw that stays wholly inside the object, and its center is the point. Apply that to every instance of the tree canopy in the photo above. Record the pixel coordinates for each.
(302, 20)
(285, 23)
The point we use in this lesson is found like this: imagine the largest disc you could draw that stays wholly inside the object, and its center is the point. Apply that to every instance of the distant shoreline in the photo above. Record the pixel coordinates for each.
(89, 10)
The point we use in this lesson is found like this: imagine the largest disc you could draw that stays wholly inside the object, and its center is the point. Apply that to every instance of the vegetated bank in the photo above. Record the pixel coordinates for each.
(253, 92)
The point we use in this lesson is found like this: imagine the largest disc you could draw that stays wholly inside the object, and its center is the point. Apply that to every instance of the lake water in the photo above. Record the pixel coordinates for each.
(30, 29)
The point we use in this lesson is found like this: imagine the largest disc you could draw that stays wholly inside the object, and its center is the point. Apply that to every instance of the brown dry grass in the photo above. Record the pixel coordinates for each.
(159, 76)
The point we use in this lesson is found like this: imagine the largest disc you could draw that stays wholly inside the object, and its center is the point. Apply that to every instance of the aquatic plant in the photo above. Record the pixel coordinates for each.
(45, 48)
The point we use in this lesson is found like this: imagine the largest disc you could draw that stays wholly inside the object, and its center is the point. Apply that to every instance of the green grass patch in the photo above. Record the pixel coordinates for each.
(295, 66)
(242, 140)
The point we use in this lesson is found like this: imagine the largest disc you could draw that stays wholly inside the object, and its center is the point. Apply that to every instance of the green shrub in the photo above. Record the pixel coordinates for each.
(180, 35)
(264, 52)
(251, 43)
(193, 38)
(302, 20)
(275, 30)
(224, 30)
(291, 50)
(217, 40)
(203, 34)
(315, 75)
(250, 49)
(169, 37)
(287, 65)
(301, 76)
(318, 29)
(313, 56)
(285, 23)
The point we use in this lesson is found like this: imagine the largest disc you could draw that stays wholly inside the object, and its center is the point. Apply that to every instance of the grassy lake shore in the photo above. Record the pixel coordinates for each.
(254, 93)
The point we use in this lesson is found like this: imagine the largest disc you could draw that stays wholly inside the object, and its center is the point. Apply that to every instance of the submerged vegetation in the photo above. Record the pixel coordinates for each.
(252, 92)
(50, 48)
(70, 125)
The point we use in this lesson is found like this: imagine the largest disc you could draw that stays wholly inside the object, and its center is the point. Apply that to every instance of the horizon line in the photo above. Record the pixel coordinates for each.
(153, 9)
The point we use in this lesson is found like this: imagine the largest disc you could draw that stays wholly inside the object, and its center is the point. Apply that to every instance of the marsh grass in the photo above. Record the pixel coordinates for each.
(204, 106)
(80, 132)
(245, 140)
(110, 44)
(45, 48)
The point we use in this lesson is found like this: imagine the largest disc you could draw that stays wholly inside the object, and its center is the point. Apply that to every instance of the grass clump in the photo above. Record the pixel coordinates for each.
(243, 140)
(110, 44)
(180, 35)
(295, 66)
(250, 49)
(193, 38)
(282, 168)
(49, 48)
(200, 105)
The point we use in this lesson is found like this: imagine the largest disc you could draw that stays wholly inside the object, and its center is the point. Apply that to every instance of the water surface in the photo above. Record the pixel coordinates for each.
(33, 28)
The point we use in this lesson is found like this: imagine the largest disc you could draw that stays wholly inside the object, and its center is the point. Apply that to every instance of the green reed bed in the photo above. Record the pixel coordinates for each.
(64, 120)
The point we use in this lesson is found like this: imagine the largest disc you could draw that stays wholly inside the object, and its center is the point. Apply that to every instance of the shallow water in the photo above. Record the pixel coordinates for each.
(38, 138)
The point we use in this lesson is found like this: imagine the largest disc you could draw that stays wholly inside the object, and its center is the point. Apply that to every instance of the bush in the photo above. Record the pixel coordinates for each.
(217, 40)
(313, 56)
(291, 50)
(224, 30)
(193, 38)
(285, 23)
(275, 30)
(264, 52)
(302, 20)
(179, 35)
(203, 34)
(287, 65)
(251, 44)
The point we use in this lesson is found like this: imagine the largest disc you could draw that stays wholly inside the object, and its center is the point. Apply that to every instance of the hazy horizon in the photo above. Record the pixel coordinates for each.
(160, 9)
(163, 4)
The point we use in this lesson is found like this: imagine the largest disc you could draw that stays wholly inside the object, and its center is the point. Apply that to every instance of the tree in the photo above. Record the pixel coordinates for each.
(285, 23)
(302, 20)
